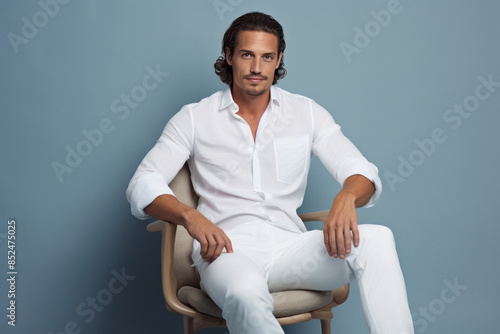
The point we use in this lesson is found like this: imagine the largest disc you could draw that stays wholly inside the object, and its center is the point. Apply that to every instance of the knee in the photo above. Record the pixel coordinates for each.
(376, 234)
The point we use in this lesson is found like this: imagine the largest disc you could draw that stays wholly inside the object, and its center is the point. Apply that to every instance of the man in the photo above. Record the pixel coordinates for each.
(248, 149)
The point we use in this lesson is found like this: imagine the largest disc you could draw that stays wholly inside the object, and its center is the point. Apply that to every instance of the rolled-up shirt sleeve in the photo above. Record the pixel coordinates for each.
(161, 163)
(338, 154)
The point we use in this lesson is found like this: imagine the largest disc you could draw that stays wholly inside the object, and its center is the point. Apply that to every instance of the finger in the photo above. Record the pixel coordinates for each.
(340, 243)
(355, 235)
(218, 248)
(327, 241)
(204, 246)
(211, 248)
(347, 237)
(228, 244)
(332, 238)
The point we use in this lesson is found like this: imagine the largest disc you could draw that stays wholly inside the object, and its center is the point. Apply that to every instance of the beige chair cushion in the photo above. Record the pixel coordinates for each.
(286, 303)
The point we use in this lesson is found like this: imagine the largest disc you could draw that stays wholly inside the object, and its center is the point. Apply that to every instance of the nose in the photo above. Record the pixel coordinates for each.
(256, 66)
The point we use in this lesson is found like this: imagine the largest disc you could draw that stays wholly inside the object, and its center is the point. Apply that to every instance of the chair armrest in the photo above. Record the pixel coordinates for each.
(169, 281)
(315, 216)
(157, 226)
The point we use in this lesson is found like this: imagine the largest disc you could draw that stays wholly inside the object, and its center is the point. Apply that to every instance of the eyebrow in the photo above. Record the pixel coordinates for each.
(248, 51)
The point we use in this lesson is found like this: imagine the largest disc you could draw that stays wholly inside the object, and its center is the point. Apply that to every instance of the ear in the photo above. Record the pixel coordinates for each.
(279, 60)
(228, 56)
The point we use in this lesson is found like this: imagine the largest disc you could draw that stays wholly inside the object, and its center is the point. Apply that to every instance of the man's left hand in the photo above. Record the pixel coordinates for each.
(341, 220)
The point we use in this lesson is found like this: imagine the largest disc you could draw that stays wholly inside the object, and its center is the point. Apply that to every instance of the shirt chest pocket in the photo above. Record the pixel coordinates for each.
(291, 156)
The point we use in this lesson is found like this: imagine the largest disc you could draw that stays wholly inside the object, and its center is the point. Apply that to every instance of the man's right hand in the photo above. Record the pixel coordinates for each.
(211, 237)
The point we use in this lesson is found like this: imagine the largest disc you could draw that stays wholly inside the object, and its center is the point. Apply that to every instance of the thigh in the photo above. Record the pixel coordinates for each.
(303, 263)
(232, 274)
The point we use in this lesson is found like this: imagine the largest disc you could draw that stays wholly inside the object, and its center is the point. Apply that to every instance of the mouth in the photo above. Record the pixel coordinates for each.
(255, 79)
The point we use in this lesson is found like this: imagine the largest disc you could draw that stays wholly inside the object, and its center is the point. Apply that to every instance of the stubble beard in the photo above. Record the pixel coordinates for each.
(255, 92)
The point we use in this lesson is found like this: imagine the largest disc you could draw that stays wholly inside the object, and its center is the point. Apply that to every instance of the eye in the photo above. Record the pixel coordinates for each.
(268, 58)
(246, 55)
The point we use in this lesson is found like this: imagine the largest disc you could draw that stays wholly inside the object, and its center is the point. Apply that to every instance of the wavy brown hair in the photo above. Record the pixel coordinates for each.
(254, 21)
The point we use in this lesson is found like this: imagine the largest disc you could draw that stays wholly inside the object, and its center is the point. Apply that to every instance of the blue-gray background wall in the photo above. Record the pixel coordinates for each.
(396, 85)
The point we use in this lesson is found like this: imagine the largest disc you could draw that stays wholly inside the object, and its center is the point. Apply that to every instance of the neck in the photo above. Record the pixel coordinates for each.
(253, 106)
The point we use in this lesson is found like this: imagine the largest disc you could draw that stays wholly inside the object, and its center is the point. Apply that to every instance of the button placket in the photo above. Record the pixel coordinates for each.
(264, 121)
(256, 169)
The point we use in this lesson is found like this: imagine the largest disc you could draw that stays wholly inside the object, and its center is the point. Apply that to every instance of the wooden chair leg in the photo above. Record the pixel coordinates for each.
(326, 326)
(188, 325)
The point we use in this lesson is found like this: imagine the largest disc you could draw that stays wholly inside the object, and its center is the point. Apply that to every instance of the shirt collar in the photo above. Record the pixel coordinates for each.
(227, 99)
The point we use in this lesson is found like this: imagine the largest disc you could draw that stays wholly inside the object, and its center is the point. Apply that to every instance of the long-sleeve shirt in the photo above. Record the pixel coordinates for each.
(237, 179)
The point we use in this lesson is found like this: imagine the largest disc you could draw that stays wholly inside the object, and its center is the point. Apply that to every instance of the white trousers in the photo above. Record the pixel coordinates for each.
(269, 259)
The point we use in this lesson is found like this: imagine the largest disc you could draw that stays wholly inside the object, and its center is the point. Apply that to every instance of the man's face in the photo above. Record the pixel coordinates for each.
(254, 61)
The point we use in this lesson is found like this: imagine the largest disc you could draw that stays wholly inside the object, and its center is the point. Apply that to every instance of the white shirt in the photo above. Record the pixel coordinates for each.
(239, 180)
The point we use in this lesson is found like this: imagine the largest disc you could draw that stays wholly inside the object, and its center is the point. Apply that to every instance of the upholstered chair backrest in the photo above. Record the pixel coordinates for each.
(183, 189)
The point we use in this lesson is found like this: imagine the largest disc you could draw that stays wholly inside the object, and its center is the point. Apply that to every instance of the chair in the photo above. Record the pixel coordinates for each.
(181, 284)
